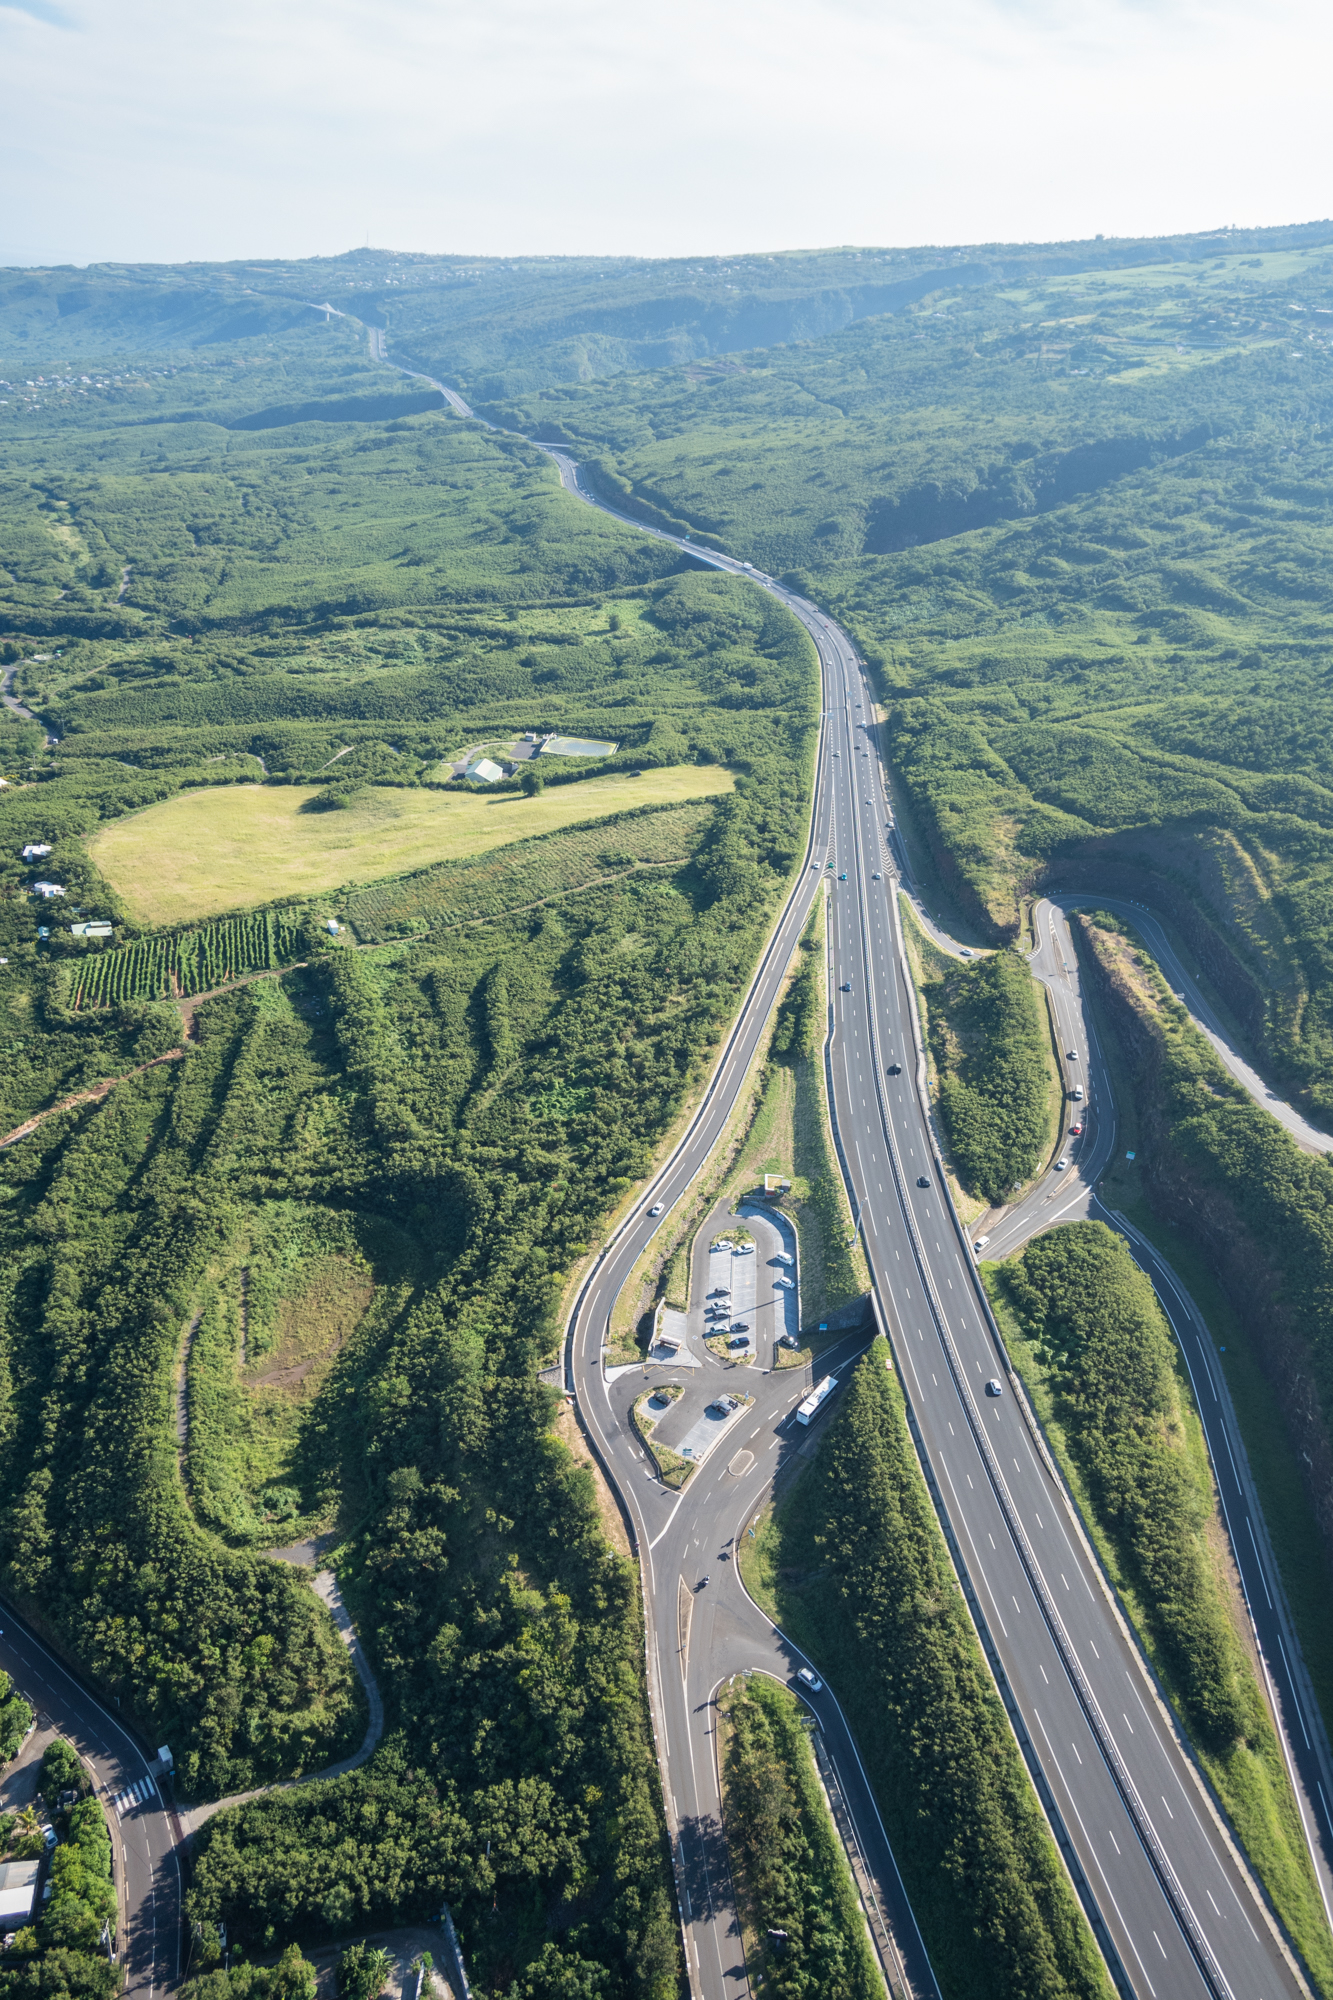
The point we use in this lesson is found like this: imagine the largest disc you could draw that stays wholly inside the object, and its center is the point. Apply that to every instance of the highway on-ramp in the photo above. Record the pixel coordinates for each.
(1175, 1906)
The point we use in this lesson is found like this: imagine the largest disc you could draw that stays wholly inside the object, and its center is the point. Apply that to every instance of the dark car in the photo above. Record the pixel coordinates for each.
(846, 986)
(895, 1069)
(923, 1180)
(843, 877)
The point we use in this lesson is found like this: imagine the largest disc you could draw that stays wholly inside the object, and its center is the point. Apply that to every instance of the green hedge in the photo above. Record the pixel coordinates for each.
(787, 1861)
(989, 1043)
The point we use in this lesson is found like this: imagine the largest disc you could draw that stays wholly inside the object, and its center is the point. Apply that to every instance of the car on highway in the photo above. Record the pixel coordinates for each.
(810, 1680)
(1071, 1055)
(1076, 1131)
(876, 876)
(980, 1244)
(895, 1069)
(923, 1180)
(965, 952)
(843, 876)
(1062, 1163)
(657, 1208)
(846, 986)
(993, 1388)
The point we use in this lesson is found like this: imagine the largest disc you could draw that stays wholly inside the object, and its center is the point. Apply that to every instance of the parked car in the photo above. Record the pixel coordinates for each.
(810, 1680)
(790, 1283)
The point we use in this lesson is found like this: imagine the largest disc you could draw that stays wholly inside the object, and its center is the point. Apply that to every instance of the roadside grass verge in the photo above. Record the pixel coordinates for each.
(993, 1075)
(787, 1864)
(230, 846)
(1107, 1381)
(853, 1565)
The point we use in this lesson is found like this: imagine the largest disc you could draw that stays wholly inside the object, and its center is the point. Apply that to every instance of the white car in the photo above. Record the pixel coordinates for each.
(1061, 1164)
(657, 1208)
(790, 1283)
(811, 1680)
(980, 1244)
(743, 1250)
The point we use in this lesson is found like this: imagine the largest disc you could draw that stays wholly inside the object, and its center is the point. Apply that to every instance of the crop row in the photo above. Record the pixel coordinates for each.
(160, 968)
(458, 892)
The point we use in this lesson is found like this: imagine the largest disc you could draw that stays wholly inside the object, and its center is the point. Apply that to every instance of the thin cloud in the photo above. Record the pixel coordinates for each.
(289, 127)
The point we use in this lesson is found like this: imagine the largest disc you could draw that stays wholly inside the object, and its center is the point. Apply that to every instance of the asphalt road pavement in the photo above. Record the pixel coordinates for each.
(1172, 1901)
(147, 1870)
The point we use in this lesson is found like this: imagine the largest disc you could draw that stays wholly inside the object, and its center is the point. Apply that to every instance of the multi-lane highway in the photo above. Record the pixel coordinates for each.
(1174, 1905)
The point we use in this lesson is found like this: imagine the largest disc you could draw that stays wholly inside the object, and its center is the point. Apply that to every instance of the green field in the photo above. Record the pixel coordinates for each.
(229, 847)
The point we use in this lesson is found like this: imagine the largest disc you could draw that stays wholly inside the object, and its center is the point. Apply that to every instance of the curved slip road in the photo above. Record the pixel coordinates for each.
(1067, 1196)
(1173, 1904)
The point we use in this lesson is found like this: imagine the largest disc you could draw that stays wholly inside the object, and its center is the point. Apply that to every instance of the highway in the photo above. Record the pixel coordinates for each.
(147, 1870)
(1173, 1904)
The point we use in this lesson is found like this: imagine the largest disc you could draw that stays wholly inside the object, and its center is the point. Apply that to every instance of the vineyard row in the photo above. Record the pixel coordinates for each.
(164, 968)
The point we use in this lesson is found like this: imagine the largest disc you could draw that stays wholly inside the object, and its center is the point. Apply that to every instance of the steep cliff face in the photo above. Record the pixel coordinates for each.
(1182, 1192)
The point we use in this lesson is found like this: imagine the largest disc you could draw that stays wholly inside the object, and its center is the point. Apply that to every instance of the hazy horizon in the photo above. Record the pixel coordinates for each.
(138, 134)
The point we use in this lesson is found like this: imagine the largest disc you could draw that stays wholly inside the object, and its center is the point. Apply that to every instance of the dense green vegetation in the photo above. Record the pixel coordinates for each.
(15, 1718)
(990, 1046)
(1074, 502)
(1079, 524)
(1099, 1359)
(854, 1566)
(787, 1864)
(339, 1227)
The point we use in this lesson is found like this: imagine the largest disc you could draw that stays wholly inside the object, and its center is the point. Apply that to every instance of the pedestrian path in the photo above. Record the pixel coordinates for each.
(134, 1795)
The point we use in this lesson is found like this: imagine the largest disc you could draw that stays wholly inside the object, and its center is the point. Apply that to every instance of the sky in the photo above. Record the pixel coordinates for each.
(156, 131)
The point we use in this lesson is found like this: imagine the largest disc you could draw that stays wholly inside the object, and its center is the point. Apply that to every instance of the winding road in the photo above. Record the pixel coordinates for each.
(1172, 1901)
(1173, 1904)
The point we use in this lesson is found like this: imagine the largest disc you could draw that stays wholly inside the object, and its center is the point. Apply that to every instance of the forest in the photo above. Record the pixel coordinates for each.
(1073, 502)
(335, 1232)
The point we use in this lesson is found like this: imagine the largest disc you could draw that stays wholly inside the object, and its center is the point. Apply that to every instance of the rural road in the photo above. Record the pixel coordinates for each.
(147, 1867)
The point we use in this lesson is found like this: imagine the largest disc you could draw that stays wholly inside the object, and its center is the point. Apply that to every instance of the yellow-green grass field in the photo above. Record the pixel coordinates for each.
(236, 845)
